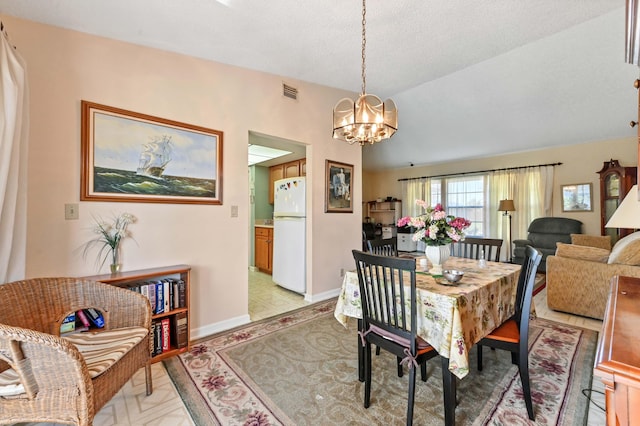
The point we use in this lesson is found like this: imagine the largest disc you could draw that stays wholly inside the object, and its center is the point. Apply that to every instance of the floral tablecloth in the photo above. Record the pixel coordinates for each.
(451, 318)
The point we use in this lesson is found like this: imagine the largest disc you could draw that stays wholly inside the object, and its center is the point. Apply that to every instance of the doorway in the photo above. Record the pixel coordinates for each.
(266, 298)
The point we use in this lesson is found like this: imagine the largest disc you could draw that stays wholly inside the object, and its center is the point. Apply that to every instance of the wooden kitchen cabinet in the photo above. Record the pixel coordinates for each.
(264, 249)
(285, 170)
(292, 169)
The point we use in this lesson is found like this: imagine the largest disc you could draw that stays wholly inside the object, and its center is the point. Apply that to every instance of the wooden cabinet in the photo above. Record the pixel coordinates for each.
(292, 169)
(178, 313)
(264, 249)
(385, 212)
(615, 183)
(617, 358)
(285, 170)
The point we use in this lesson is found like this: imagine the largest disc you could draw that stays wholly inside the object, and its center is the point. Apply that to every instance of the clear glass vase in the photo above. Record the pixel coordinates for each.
(115, 260)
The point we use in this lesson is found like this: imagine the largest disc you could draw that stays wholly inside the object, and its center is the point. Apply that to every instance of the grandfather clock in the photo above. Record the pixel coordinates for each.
(615, 182)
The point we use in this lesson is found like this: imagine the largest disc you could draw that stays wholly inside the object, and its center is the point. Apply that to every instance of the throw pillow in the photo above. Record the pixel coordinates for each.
(627, 250)
(591, 254)
(600, 241)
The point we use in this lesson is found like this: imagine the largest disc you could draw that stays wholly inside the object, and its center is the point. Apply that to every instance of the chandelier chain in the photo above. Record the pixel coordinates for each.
(364, 45)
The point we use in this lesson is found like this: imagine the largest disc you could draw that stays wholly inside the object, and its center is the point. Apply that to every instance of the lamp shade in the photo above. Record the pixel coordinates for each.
(506, 206)
(627, 215)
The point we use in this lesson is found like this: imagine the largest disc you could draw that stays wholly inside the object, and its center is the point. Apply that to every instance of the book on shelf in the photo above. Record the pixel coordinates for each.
(156, 327)
(166, 334)
(165, 296)
(180, 324)
(175, 298)
(152, 295)
(159, 297)
(182, 296)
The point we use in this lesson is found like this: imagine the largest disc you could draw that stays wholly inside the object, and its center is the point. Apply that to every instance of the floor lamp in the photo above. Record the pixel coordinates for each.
(507, 206)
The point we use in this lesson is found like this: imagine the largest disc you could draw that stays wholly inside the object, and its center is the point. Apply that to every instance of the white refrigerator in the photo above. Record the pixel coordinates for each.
(289, 254)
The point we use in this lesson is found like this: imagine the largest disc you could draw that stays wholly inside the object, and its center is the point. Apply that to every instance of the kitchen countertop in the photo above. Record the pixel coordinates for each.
(261, 224)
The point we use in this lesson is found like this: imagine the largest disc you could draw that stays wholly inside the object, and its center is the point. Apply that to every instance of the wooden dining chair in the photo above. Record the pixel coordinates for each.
(471, 248)
(387, 324)
(513, 335)
(383, 247)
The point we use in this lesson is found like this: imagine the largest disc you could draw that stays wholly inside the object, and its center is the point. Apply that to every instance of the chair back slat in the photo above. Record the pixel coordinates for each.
(383, 247)
(384, 282)
(524, 291)
(470, 248)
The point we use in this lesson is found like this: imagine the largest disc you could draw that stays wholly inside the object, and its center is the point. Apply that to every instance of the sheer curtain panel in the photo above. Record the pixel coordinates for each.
(14, 128)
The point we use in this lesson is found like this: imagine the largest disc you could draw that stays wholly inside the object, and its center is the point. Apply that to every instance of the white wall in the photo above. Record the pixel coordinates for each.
(65, 67)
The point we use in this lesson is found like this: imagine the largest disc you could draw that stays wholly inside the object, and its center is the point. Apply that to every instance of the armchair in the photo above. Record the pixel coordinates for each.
(544, 233)
(48, 378)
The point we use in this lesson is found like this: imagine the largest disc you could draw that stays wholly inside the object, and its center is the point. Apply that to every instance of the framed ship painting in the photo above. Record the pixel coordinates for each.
(338, 184)
(133, 157)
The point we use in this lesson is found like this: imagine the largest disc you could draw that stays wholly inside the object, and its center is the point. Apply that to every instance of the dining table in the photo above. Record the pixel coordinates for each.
(450, 317)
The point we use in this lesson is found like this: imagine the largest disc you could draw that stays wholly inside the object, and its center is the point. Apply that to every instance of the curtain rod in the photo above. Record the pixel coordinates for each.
(480, 171)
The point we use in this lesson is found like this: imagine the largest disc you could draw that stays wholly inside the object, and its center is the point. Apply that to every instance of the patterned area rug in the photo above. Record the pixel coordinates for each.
(301, 369)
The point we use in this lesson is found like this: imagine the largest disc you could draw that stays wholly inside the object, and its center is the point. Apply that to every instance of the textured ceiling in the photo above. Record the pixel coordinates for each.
(470, 79)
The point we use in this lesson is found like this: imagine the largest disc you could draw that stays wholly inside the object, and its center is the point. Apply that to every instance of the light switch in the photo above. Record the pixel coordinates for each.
(70, 211)
(234, 211)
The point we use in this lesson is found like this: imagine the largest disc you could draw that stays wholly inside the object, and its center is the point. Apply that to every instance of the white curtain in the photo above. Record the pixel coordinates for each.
(531, 190)
(412, 190)
(14, 125)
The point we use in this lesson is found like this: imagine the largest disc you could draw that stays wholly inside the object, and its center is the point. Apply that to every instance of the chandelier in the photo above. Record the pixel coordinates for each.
(368, 119)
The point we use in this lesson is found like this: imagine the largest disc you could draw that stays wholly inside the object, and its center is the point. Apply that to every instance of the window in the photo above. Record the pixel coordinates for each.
(464, 197)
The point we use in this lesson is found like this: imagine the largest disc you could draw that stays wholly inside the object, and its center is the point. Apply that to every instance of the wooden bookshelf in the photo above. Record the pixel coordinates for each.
(129, 279)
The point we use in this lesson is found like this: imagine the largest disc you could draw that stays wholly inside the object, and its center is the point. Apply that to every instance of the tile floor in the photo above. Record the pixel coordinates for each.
(267, 299)
(164, 407)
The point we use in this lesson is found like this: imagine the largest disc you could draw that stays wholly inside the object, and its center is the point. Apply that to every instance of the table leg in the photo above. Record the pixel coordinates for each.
(360, 354)
(449, 390)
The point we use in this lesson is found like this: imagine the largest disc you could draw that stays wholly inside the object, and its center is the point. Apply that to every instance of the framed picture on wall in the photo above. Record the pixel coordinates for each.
(133, 157)
(577, 198)
(338, 184)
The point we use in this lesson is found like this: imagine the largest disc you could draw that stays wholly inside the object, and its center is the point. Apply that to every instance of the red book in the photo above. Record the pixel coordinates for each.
(166, 333)
(83, 318)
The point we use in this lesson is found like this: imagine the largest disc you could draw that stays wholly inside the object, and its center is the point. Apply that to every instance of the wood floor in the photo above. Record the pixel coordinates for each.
(164, 407)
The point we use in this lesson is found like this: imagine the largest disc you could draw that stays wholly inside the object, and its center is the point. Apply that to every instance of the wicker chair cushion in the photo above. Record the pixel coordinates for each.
(100, 350)
(627, 250)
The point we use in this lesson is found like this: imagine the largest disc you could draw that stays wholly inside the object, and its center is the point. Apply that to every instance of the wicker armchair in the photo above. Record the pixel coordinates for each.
(55, 382)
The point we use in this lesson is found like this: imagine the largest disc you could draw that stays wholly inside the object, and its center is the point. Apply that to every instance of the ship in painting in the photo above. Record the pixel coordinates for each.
(154, 157)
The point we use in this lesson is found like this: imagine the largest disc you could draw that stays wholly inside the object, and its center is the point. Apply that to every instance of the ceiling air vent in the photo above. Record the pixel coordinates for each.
(289, 92)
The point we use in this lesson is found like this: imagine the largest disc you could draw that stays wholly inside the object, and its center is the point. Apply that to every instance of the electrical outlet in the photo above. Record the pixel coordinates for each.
(71, 211)
(234, 211)
(342, 272)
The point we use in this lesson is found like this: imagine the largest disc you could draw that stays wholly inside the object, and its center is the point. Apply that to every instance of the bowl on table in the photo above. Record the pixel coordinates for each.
(452, 275)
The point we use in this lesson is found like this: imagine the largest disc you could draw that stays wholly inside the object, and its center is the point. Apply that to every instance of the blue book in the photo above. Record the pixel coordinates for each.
(159, 297)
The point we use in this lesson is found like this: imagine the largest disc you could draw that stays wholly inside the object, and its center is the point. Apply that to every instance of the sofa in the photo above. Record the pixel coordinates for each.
(544, 233)
(579, 274)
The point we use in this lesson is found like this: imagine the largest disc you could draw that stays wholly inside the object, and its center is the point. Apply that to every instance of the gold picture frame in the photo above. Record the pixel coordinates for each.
(133, 157)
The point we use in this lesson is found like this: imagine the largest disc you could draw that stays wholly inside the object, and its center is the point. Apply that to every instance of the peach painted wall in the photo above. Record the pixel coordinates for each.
(65, 67)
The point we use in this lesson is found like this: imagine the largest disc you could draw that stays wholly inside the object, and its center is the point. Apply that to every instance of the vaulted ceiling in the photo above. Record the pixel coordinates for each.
(471, 79)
